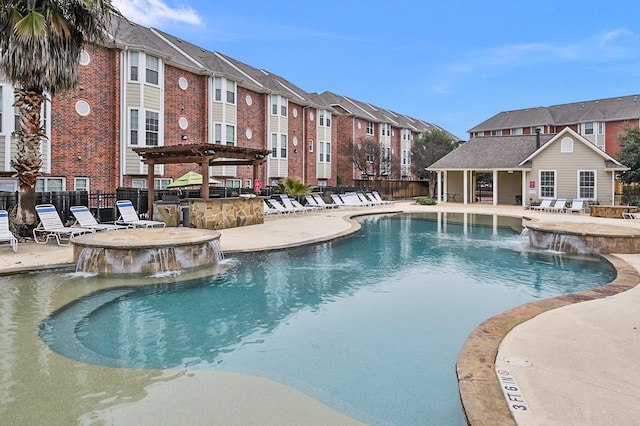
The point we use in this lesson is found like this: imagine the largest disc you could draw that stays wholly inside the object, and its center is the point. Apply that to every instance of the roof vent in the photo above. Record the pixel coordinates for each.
(619, 99)
(582, 105)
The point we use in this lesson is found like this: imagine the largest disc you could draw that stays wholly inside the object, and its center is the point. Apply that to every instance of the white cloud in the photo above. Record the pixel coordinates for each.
(153, 13)
(611, 45)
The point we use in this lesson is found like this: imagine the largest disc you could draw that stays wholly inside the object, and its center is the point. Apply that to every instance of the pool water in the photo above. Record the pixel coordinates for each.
(369, 324)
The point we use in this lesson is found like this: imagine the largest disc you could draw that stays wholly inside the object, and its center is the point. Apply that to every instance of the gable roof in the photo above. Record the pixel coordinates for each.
(490, 153)
(611, 109)
(610, 162)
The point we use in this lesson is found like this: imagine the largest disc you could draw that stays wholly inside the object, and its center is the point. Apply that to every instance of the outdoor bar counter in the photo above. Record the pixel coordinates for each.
(212, 213)
(612, 211)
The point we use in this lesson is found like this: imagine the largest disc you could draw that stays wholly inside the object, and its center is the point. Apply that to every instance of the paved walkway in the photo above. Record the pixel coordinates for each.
(574, 365)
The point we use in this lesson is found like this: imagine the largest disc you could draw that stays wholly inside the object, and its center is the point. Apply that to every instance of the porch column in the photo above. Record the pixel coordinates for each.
(445, 187)
(439, 183)
(465, 186)
(495, 187)
(525, 188)
(151, 169)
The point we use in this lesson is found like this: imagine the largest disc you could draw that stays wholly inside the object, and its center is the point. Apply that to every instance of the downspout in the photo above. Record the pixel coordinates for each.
(123, 114)
(303, 146)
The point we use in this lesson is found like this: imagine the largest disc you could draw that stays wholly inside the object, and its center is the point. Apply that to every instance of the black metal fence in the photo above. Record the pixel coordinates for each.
(102, 204)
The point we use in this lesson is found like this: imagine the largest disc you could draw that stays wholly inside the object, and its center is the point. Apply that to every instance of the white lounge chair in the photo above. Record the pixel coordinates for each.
(85, 219)
(322, 203)
(558, 206)
(129, 217)
(544, 205)
(311, 201)
(337, 200)
(51, 226)
(577, 206)
(296, 204)
(289, 205)
(377, 196)
(279, 206)
(269, 210)
(5, 233)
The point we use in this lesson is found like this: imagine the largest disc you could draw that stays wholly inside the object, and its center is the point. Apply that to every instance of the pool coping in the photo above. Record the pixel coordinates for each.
(480, 392)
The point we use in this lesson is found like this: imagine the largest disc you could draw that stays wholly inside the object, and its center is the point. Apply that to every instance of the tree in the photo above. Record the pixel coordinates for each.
(428, 149)
(372, 159)
(40, 46)
(630, 154)
(294, 188)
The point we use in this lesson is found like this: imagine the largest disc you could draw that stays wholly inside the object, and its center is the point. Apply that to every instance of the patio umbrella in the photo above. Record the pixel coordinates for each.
(189, 179)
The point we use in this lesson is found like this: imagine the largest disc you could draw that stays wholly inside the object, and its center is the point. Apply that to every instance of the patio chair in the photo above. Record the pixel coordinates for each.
(51, 226)
(377, 196)
(129, 217)
(313, 203)
(322, 203)
(577, 206)
(544, 205)
(337, 200)
(84, 219)
(269, 210)
(305, 209)
(288, 204)
(280, 207)
(5, 233)
(558, 206)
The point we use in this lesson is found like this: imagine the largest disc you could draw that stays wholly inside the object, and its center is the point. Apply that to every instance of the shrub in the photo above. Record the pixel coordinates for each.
(426, 201)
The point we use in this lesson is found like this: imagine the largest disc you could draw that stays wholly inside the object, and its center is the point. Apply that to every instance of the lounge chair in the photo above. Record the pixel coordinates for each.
(84, 219)
(322, 203)
(628, 215)
(351, 199)
(377, 196)
(559, 206)
(337, 200)
(544, 205)
(5, 234)
(296, 204)
(577, 206)
(279, 207)
(51, 226)
(311, 202)
(290, 204)
(129, 217)
(365, 201)
(269, 210)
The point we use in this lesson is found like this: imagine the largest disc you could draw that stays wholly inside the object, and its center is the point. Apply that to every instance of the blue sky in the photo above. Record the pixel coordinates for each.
(452, 63)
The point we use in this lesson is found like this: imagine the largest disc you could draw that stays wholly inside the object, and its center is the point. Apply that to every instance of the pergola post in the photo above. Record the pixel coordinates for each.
(205, 181)
(150, 188)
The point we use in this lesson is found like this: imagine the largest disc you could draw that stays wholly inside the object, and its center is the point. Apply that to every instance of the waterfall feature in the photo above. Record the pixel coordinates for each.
(146, 251)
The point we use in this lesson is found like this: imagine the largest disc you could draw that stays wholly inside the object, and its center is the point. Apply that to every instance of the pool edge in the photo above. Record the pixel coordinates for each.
(482, 399)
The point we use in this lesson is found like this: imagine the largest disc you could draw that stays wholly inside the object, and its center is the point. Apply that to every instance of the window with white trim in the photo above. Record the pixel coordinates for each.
(496, 133)
(279, 145)
(133, 126)
(385, 129)
(279, 105)
(231, 92)
(134, 59)
(233, 183)
(50, 184)
(587, 184)
(152, 128)
(310, 145)
(370, 128)
(547, 183)
(517, 131)
(566, 144)
(587, 128)
(248, 183)
(138, 183)
(600, 127)
(152, 65)
(81, 184)
(161, 183)
(324, 118)
(406, 135)
(217, 89)
(231, 135)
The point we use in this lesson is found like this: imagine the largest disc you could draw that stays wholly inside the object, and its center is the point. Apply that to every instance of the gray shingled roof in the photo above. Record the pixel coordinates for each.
(611, 109)
(489, 153)
(128, 34)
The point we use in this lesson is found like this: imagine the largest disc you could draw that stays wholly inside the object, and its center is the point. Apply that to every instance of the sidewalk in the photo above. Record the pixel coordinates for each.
(581, 359)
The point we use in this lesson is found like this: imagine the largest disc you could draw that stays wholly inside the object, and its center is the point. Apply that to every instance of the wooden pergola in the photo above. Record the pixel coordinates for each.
(205, 154)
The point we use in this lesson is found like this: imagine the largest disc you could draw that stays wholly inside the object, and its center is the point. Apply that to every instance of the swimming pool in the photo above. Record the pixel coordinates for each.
(370, 324)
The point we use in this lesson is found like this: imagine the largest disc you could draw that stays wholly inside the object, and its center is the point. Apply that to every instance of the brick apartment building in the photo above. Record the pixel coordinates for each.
(599, 121)
(148, 88)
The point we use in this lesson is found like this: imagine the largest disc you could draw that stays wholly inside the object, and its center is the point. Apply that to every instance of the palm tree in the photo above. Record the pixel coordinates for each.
(40, 46)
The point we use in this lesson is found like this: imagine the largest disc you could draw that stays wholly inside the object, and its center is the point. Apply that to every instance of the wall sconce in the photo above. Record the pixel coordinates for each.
(209, 152)
(185, 137)
(259, 156)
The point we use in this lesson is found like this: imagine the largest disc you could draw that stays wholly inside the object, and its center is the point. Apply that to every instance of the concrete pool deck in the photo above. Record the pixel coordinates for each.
(583, 356)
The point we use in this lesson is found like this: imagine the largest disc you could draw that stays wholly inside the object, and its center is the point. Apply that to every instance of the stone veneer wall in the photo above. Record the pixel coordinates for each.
(225, 212)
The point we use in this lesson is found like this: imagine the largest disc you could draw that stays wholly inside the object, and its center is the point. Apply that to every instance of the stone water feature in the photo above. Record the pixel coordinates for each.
(146, 250)
(583, 238)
